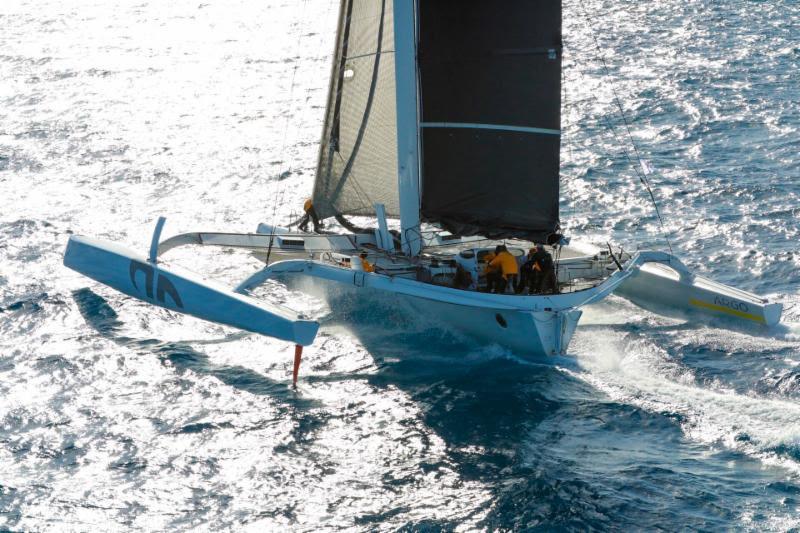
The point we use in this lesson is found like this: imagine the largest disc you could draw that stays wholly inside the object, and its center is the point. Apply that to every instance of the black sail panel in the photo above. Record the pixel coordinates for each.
(490, 88)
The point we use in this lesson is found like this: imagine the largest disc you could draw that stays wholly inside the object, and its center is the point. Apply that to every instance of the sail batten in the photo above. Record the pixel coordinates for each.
(501, 127)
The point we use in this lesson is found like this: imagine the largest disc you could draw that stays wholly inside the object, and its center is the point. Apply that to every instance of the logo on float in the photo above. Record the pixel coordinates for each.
(162, 286)
(733, 304)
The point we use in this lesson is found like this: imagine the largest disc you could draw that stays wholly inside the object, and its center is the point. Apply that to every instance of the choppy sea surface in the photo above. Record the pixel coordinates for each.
(118, 416)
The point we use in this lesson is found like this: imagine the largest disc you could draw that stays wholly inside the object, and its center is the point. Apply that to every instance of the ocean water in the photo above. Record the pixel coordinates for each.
(118, 416)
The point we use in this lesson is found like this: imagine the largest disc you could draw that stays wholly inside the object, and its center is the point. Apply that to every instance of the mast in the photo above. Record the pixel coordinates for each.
(406, 87)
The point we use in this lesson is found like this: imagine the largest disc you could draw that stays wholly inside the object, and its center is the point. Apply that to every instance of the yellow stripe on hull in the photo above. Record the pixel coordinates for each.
(727, 310)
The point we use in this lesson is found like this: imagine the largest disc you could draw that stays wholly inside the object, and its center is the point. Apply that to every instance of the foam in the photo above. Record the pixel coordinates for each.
(637, 372)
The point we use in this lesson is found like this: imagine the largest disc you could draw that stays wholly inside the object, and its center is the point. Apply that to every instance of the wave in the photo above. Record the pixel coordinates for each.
(637, 371)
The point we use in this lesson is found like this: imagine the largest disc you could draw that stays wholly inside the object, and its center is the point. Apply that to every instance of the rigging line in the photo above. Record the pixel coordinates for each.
(322, 44)
(617, 101)
(558, 261)
(610, 127)
(363, 197)
(641, 175)
(565, 136)
(281, 190)
(624, 149)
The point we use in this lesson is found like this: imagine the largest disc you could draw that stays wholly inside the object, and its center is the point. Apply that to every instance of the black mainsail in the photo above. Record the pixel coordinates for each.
(490, 89)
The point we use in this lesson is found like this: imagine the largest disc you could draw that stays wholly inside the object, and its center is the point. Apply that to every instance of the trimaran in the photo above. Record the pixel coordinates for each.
(447, 116)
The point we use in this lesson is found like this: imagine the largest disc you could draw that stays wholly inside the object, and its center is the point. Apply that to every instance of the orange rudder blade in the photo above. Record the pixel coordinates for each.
(298, 355)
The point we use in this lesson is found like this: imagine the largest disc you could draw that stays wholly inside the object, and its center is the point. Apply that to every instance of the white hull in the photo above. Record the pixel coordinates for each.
(667, 291)
(531, 326)
(526, 333)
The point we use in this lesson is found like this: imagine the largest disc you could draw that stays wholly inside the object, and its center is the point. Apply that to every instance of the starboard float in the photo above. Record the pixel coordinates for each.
(459, 139)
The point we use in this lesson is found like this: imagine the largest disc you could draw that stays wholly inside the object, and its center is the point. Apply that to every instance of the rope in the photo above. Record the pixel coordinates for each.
(642, 176)
(281, 192)
(278, 198)
(557, 261)
(565, 132)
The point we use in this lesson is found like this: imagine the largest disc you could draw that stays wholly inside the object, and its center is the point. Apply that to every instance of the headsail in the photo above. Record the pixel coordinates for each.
(358, 155)
(490, 89)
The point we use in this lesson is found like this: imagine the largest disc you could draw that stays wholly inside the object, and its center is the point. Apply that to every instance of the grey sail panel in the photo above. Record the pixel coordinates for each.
(358, 155)
(490, 88)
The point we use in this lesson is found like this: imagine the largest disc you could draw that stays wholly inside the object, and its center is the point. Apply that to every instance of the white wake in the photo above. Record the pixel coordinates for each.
(632, 369)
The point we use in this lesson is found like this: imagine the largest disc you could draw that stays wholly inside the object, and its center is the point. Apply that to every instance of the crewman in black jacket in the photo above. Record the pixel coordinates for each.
(538, 272)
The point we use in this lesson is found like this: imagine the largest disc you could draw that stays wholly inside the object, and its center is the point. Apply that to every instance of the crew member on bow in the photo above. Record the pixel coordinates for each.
(309, 216)
(502, 269)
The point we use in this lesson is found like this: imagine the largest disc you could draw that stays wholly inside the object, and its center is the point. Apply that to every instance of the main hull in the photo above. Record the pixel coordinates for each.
(534, 331)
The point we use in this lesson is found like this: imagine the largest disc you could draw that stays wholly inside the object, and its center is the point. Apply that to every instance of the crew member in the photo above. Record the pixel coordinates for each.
(309, 216)
(528, 272)
(505, 269)
(366, 265)
(532, 269)
(462, 279)
(492, 273)
(544, 280)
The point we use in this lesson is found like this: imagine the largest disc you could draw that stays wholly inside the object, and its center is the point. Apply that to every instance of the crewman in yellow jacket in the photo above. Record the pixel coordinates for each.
(366, 264)
(309, 216)
(501, 269)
